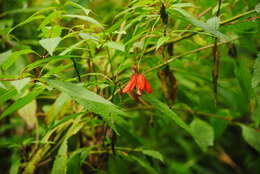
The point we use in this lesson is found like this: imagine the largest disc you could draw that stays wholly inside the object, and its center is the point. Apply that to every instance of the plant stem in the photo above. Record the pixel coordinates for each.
(186, 53)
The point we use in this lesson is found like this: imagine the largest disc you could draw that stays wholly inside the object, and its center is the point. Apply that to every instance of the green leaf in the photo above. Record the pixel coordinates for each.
(257, 8)
(16, 162)
(181, 5)
(22, 102)
(213, 23)
(251, 136)
(60, 163)
(154, 154)
(86, 11)
(161, 41)
(256, 89)
(41, 62)
(256, 73)
(141, 162)
(20, 84)
(166, 111)
(73, 164)
(256, 111)
(7, 95)
(50, 44)
(49, 18)
(203, 133)
(33, 17)
(220, 125)
(89, 36)
(85, 18)
(4, 56)
(205, 26)
(28, 20)
(72, 47)
(244, 78)
(91, 101)
(57, 107)
(12, 58)
(115, 45)
(28, 114)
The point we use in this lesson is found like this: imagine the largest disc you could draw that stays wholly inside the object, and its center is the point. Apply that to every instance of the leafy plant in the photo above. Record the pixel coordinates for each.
(129, 87)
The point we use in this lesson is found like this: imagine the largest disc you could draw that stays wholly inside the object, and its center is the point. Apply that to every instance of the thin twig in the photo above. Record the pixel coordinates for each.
(76, 69)
(11, 79)
(185, 54)
(216, 60)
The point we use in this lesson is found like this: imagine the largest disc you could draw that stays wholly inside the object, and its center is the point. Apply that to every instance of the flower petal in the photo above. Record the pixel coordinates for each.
(147, 87)
(140, 82)
(131, 84)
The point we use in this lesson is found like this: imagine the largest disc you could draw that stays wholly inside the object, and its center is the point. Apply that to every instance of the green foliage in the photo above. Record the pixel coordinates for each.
(203, 133)
(167, 112)
(50, 44)
(64, 65)
(251, 136)
(91, 101)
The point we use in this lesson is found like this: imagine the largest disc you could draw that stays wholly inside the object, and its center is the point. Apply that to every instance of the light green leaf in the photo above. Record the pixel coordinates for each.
(89, 36)
(251, 136)
(181, 5)
(72, 47)
(213, 23)
(86, 11)
(154, 154)
(85, 18)
(28, 114)
(203, 133)
(4, 56)
(115, 45)
(161, 41)
(50, 44)
(20, 84)
(257, 8)
(22, 102)
(166, 111)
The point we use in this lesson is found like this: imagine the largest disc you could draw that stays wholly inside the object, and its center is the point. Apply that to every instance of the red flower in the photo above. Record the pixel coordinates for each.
(139, 82)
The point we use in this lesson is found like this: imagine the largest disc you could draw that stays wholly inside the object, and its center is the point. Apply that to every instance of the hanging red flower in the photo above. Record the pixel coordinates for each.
(139, 82)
